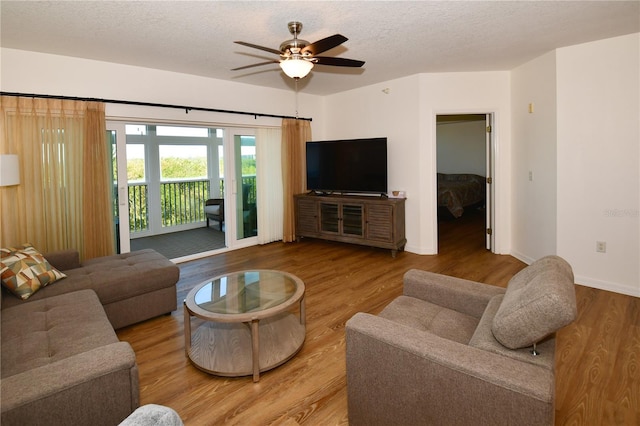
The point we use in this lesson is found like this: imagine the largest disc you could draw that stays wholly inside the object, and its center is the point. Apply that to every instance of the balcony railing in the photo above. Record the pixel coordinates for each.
(138, 207)
(181, 202)
(249, 184)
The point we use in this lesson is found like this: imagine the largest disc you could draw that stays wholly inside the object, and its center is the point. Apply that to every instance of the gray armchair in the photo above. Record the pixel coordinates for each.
(456, 352)
(214, 210)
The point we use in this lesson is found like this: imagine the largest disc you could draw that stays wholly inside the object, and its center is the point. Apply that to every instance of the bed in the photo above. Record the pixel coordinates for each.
(457, 191)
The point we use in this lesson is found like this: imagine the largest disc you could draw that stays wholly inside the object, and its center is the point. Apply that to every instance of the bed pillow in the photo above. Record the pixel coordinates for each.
(24, 270)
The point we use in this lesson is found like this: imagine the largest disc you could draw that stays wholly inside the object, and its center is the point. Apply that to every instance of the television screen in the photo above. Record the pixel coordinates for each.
(347, 166)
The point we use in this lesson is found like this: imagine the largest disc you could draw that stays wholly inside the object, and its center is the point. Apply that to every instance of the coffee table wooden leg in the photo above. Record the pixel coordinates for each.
(255, 349)
(187, 330)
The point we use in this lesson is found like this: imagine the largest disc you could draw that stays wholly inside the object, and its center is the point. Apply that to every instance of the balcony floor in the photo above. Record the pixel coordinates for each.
(183, 243)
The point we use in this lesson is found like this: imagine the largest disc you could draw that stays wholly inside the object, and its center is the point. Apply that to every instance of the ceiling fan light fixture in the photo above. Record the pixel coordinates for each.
(297, 56)
(296, 68)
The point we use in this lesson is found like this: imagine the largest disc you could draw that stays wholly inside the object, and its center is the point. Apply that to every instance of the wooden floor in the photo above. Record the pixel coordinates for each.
(598, 357)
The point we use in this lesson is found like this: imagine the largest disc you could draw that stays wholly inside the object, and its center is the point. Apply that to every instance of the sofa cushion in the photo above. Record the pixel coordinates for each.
(64, 259)
(425, 316)
(24, 270)
(539, 300)
(45, 331)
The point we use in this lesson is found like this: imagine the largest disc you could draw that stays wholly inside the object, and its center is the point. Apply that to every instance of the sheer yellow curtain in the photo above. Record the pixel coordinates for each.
(98, 211)
(295, 134)
(269, 181)
(64, 197)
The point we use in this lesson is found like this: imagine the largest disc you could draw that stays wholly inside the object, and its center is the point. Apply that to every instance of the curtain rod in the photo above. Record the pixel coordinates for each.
(150, 104)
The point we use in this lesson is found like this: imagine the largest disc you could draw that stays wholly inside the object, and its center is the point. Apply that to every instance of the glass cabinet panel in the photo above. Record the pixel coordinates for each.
(329, 218)
(352, 220)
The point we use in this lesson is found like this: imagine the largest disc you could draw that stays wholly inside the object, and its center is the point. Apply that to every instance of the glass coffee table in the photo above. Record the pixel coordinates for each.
(253, 321)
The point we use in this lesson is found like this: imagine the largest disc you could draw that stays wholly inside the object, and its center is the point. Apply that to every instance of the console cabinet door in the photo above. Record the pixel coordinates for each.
(380, 222)
(330, 218)
(353, 220)
(306, 217)
(342, 219)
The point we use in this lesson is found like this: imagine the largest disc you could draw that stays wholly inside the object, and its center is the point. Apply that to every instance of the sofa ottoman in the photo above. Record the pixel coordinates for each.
(132, 287)
(62, 364)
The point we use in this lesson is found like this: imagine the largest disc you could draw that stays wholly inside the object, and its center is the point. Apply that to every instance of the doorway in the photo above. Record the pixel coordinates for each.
(464, 147)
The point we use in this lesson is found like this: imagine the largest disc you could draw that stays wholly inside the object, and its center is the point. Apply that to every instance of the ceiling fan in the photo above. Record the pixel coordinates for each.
(297, 56)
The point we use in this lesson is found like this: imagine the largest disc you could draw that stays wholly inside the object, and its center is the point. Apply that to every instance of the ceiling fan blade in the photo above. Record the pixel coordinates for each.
(338, 62)
(325, 44)
(255, 46)
(256, 65)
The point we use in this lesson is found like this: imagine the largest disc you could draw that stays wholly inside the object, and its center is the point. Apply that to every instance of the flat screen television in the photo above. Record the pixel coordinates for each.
(347, 166)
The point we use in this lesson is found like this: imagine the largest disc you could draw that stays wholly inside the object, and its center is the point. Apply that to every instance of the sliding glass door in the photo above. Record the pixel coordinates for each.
(244, 186)
(167, 173)
(165, 176)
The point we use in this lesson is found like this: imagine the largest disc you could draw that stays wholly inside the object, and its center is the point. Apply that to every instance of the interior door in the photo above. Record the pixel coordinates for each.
(489, 186)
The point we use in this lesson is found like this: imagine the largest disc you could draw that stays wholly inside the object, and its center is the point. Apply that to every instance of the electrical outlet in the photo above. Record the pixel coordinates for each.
(530, 176)
(601, 246)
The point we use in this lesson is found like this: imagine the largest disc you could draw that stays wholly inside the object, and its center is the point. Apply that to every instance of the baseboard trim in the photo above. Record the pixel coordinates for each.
(607, 286)
(590, 282)
(521, 257)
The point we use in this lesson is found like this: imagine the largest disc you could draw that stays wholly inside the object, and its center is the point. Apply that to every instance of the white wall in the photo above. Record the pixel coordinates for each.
(461, 147)
(406, 115)
(31, 72)
(370, 112)
(599, 161)
(534, 209)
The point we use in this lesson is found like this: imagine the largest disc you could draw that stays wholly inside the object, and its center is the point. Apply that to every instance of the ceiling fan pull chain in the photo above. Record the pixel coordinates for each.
(296, 83)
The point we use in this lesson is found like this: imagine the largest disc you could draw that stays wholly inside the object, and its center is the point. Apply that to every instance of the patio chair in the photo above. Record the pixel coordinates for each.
(214, 210)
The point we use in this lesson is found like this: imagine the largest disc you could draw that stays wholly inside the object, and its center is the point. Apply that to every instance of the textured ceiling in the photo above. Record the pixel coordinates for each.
(395, 39)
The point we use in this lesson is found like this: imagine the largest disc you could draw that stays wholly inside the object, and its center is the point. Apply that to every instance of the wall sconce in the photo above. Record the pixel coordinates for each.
(9, 170)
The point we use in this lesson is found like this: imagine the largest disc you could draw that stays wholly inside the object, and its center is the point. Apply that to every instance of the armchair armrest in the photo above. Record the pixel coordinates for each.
(468, 297)
(94, 387)
(398, 375)
(64, 260)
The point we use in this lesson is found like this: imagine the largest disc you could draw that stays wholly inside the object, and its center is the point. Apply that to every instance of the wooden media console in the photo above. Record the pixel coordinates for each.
(369, 221)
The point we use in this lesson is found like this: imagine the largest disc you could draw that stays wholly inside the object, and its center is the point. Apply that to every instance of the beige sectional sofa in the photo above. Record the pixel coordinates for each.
(132, 287)
(62, 362)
